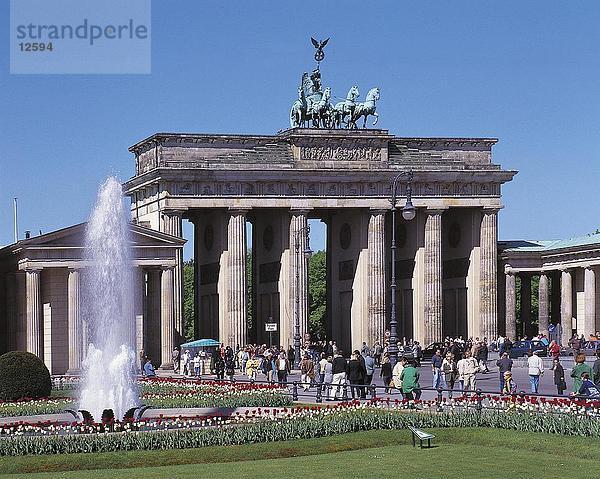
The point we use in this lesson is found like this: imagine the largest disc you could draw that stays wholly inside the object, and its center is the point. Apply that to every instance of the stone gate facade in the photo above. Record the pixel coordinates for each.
(446, 257)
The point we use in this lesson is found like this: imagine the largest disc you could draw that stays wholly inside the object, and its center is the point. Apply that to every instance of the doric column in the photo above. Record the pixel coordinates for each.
(566, 306)
(237, 294)
(75, 327)
(152, 326)
(34, 312)
(526, 303)
(511, 304)
(298, 272)
(488, 274)
(172, 224)
(167, 324)
(376, 274)
(433, 276)
(543, 304)
(139, 299)
(589, 289)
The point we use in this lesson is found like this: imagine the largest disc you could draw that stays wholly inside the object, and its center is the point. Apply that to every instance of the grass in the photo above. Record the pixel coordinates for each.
(471, 453)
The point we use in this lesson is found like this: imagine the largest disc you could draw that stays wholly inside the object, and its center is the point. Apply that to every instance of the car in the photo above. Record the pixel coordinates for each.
(523, 348)
(590, 348)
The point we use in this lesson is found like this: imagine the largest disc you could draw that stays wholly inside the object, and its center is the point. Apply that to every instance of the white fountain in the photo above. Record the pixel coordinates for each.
(109, 367)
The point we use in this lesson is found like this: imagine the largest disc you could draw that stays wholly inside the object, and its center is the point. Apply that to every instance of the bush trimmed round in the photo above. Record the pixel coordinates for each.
(23, 375)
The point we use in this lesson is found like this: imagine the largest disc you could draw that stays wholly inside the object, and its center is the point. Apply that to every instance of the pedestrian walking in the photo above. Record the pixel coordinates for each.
(467, 371)
(386, 372)
(439, 379)
(307, 369)
(410, 382)
(504, 364)
(355, 373)
(559, 376)
(535, 367)
(328, 377)
(339, 373)
(578, 371)
(397, 373)
(450, 372)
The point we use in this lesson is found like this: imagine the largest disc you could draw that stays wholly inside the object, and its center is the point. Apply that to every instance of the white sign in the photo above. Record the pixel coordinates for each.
(270, 327)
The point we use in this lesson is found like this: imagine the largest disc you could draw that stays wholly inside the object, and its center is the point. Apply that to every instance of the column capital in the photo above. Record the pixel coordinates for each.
(435, 211)
(165, 267)
(172, 211)
(378, 211)
(491, 209)
(33, 269)
(509, 270)
(588, 266)
(235, 210)
(300, 211)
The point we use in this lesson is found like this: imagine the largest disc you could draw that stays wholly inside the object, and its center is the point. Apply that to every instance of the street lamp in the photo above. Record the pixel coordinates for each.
(299, 257)
(408, 213)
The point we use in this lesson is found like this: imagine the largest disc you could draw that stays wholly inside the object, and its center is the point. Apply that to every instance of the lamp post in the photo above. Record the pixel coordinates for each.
(408, 213)
(299, 257)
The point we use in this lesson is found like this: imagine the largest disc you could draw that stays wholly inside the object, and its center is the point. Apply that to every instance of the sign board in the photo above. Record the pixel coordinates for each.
(270, 327)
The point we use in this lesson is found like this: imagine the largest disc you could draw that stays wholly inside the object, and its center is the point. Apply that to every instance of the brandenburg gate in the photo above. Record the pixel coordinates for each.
(446, 257)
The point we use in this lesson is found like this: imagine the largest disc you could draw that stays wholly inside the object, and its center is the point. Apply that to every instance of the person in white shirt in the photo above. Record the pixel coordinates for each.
(397, 372)
(536, 369)
(467, 369)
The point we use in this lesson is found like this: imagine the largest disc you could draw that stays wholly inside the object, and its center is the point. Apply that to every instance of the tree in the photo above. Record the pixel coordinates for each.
(317, 292)
(188, 299)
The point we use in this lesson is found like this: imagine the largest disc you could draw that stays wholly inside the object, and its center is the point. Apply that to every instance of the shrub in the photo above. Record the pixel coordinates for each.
(23, 375)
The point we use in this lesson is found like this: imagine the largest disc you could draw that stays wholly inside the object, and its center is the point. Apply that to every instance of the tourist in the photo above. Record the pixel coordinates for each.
(185, 363)
(508, 384)
(482, 356)
(307, 369)
(535, 370)
(217, 365)
(578, 371)
(229, 366)
(369, 369)
(554, 349)
(244, 360)
(575, 344)
(397, 373)
(500, 344)
(328, 377)
(149, 368)
(559, 376)
(197, 361)
(377, 352)
(339, 373)
(504, 364)
(449, 371)
(365, 349)
(439, 379)
(322, 364)
(417, 353)
(386, 372)
(283, 368)
(252, 367)
(175, 359)
(467, 370)
(143, 361)
(355, 373)
(410, 382)
(588, 388)
(596, 369)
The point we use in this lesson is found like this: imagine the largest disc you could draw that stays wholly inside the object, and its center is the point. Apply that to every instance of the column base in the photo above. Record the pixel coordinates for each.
(74, 372)
(166, 367)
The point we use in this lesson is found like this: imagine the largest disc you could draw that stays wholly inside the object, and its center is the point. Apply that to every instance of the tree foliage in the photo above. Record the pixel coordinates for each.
(188, 299)
(317, 291)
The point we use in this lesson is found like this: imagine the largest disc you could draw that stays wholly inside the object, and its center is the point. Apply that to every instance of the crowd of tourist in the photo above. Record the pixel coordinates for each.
(456, 364)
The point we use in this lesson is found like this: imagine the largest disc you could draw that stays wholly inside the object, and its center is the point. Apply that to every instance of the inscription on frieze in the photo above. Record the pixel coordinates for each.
(341, 153)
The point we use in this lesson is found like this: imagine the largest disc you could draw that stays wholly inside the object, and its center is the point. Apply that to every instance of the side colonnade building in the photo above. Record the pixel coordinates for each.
(568, 300)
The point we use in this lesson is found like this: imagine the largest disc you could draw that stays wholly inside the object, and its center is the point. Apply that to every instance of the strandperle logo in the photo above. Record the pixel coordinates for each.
(85, 31)
(80, 36)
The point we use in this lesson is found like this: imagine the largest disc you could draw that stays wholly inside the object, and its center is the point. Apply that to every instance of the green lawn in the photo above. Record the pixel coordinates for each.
(462, 453)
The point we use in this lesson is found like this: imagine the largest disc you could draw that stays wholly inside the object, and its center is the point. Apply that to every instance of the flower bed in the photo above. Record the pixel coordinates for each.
(170, 393)
(278, 424)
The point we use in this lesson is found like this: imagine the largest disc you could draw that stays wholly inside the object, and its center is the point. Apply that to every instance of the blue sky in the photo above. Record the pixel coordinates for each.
(522, 71)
